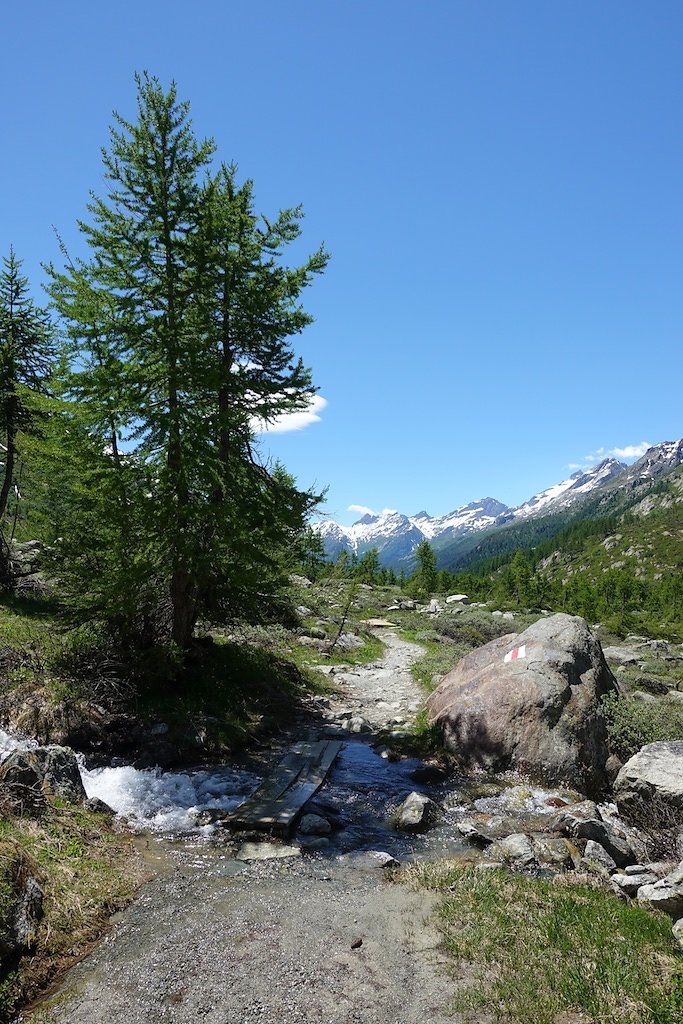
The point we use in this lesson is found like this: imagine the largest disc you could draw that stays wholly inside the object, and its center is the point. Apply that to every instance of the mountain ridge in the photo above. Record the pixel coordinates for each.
(396, 536)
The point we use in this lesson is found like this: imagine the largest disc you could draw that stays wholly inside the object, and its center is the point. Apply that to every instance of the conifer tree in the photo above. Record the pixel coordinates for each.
(27, 352)
(181, 322)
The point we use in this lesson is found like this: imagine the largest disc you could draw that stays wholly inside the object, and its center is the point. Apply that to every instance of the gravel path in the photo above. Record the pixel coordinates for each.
(276, 942)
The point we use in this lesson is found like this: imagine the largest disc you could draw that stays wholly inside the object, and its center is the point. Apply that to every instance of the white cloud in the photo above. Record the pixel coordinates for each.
(362, 509)
(294, 420)
(629, 451)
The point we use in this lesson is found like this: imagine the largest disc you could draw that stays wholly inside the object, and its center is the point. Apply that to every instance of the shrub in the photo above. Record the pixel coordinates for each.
(631, 724)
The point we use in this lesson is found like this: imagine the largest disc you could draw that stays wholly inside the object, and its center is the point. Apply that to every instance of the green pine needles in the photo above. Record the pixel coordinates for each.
(180, 326)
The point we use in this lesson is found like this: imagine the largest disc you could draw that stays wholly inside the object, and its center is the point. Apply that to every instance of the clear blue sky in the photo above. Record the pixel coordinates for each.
(499, 185)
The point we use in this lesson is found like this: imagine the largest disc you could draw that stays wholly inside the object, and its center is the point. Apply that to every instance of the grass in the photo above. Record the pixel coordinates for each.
(87, 872)
(527, 950)
(631, 724)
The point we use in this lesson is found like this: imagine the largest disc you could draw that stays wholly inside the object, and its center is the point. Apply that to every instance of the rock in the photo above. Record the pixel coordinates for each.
(678, 932)
(654, 774)
(406, 604)
(434, 607)
(266, 851)
(429, 775)
(417, 813)
(379, 623)
(644, 698)
(517, 849)
(508, 615)
(52, 769)
(21, 785)
(584, 821)
(474, 832)
(458, 599)
(312, 843)
(630, 884)
(349, 642)
(666, 894)
(98, 806)
(300, 581)
(356, 944)
(314, 825)
(655, 686)
(538, 712)
(555, 852)
(22, 900)
(620, 656)
(316, 632)
(357, 724)
(369, 859)
(596, 854)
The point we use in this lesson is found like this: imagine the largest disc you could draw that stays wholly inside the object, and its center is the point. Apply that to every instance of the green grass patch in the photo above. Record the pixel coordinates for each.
(87, 872)
(438, 659)
(529, 950)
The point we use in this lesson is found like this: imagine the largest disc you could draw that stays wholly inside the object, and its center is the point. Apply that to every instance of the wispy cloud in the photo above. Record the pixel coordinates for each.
(362, 510)
(629, 451)
(294, 420)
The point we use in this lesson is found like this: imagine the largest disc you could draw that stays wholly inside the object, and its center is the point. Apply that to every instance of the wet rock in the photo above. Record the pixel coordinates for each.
(417, 813)
(666, 894)
(515, 849)
(54, 770)
(314, 825)
(555, 852)
(266, 851)
(310, 844)
(369, 859)
(98, 806)
(429, 775)
(538, 712)
(655, 773)
(474, 832)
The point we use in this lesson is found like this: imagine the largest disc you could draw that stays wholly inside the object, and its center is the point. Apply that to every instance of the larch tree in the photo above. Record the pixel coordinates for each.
(181, 322)
(27, 354)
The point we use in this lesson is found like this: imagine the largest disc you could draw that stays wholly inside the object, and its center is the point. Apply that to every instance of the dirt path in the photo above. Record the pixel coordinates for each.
(277, 942)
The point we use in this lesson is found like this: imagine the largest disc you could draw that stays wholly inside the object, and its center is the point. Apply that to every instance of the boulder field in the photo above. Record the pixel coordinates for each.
(531, 702)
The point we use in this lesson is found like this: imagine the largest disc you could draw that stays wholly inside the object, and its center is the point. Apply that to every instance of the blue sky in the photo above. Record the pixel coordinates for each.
(499, 185)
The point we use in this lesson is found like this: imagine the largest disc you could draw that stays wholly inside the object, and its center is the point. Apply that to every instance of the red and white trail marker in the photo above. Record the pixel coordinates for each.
(515, 653)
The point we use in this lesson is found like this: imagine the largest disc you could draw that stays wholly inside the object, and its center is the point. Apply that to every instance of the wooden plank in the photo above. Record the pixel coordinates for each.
(278, 801)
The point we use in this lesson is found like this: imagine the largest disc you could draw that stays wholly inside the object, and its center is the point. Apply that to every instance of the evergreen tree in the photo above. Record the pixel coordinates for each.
(423, 581)
(181, 323)
(27, 353)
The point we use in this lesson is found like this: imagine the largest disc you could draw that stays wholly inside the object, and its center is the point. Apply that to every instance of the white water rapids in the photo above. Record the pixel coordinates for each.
(152, 800)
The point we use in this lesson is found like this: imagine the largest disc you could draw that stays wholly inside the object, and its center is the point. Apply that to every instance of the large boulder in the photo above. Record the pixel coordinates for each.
(652, 778)
(531, 702)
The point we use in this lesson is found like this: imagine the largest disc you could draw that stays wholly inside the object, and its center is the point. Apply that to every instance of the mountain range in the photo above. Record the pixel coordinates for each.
(395, 536)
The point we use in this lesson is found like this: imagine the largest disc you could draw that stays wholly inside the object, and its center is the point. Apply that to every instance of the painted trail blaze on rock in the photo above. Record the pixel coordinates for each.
(515, 653)
(545, 720)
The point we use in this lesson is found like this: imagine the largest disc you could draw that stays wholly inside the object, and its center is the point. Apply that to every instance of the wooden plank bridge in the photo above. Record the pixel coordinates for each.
(278, 801)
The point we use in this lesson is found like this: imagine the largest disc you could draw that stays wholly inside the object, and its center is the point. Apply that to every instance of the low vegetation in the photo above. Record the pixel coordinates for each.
(531, 951)
(86, 870)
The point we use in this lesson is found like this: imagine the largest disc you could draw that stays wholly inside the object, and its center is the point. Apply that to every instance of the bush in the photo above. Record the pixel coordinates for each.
(631, 724)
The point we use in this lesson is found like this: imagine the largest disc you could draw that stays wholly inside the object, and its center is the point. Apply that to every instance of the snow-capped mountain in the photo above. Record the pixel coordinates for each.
(396, 536)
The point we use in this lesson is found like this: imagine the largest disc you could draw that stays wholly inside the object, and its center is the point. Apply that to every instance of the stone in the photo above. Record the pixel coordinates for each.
(654, 774)
(516, 848)
(98, 806)
(457, 599)
(596, 854)
(434, 607)
(474, 832)
(630, 884)
(584, 821)
(655, 686)
(314, 825)
(52, 769)
(369, 859)
(417, 813)
(554, 851)
(666, 894)
(266, 851)
(313, 843)
(379, 623)
(620, 656)
(22, 901)
(678, 931)
(539, 712)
